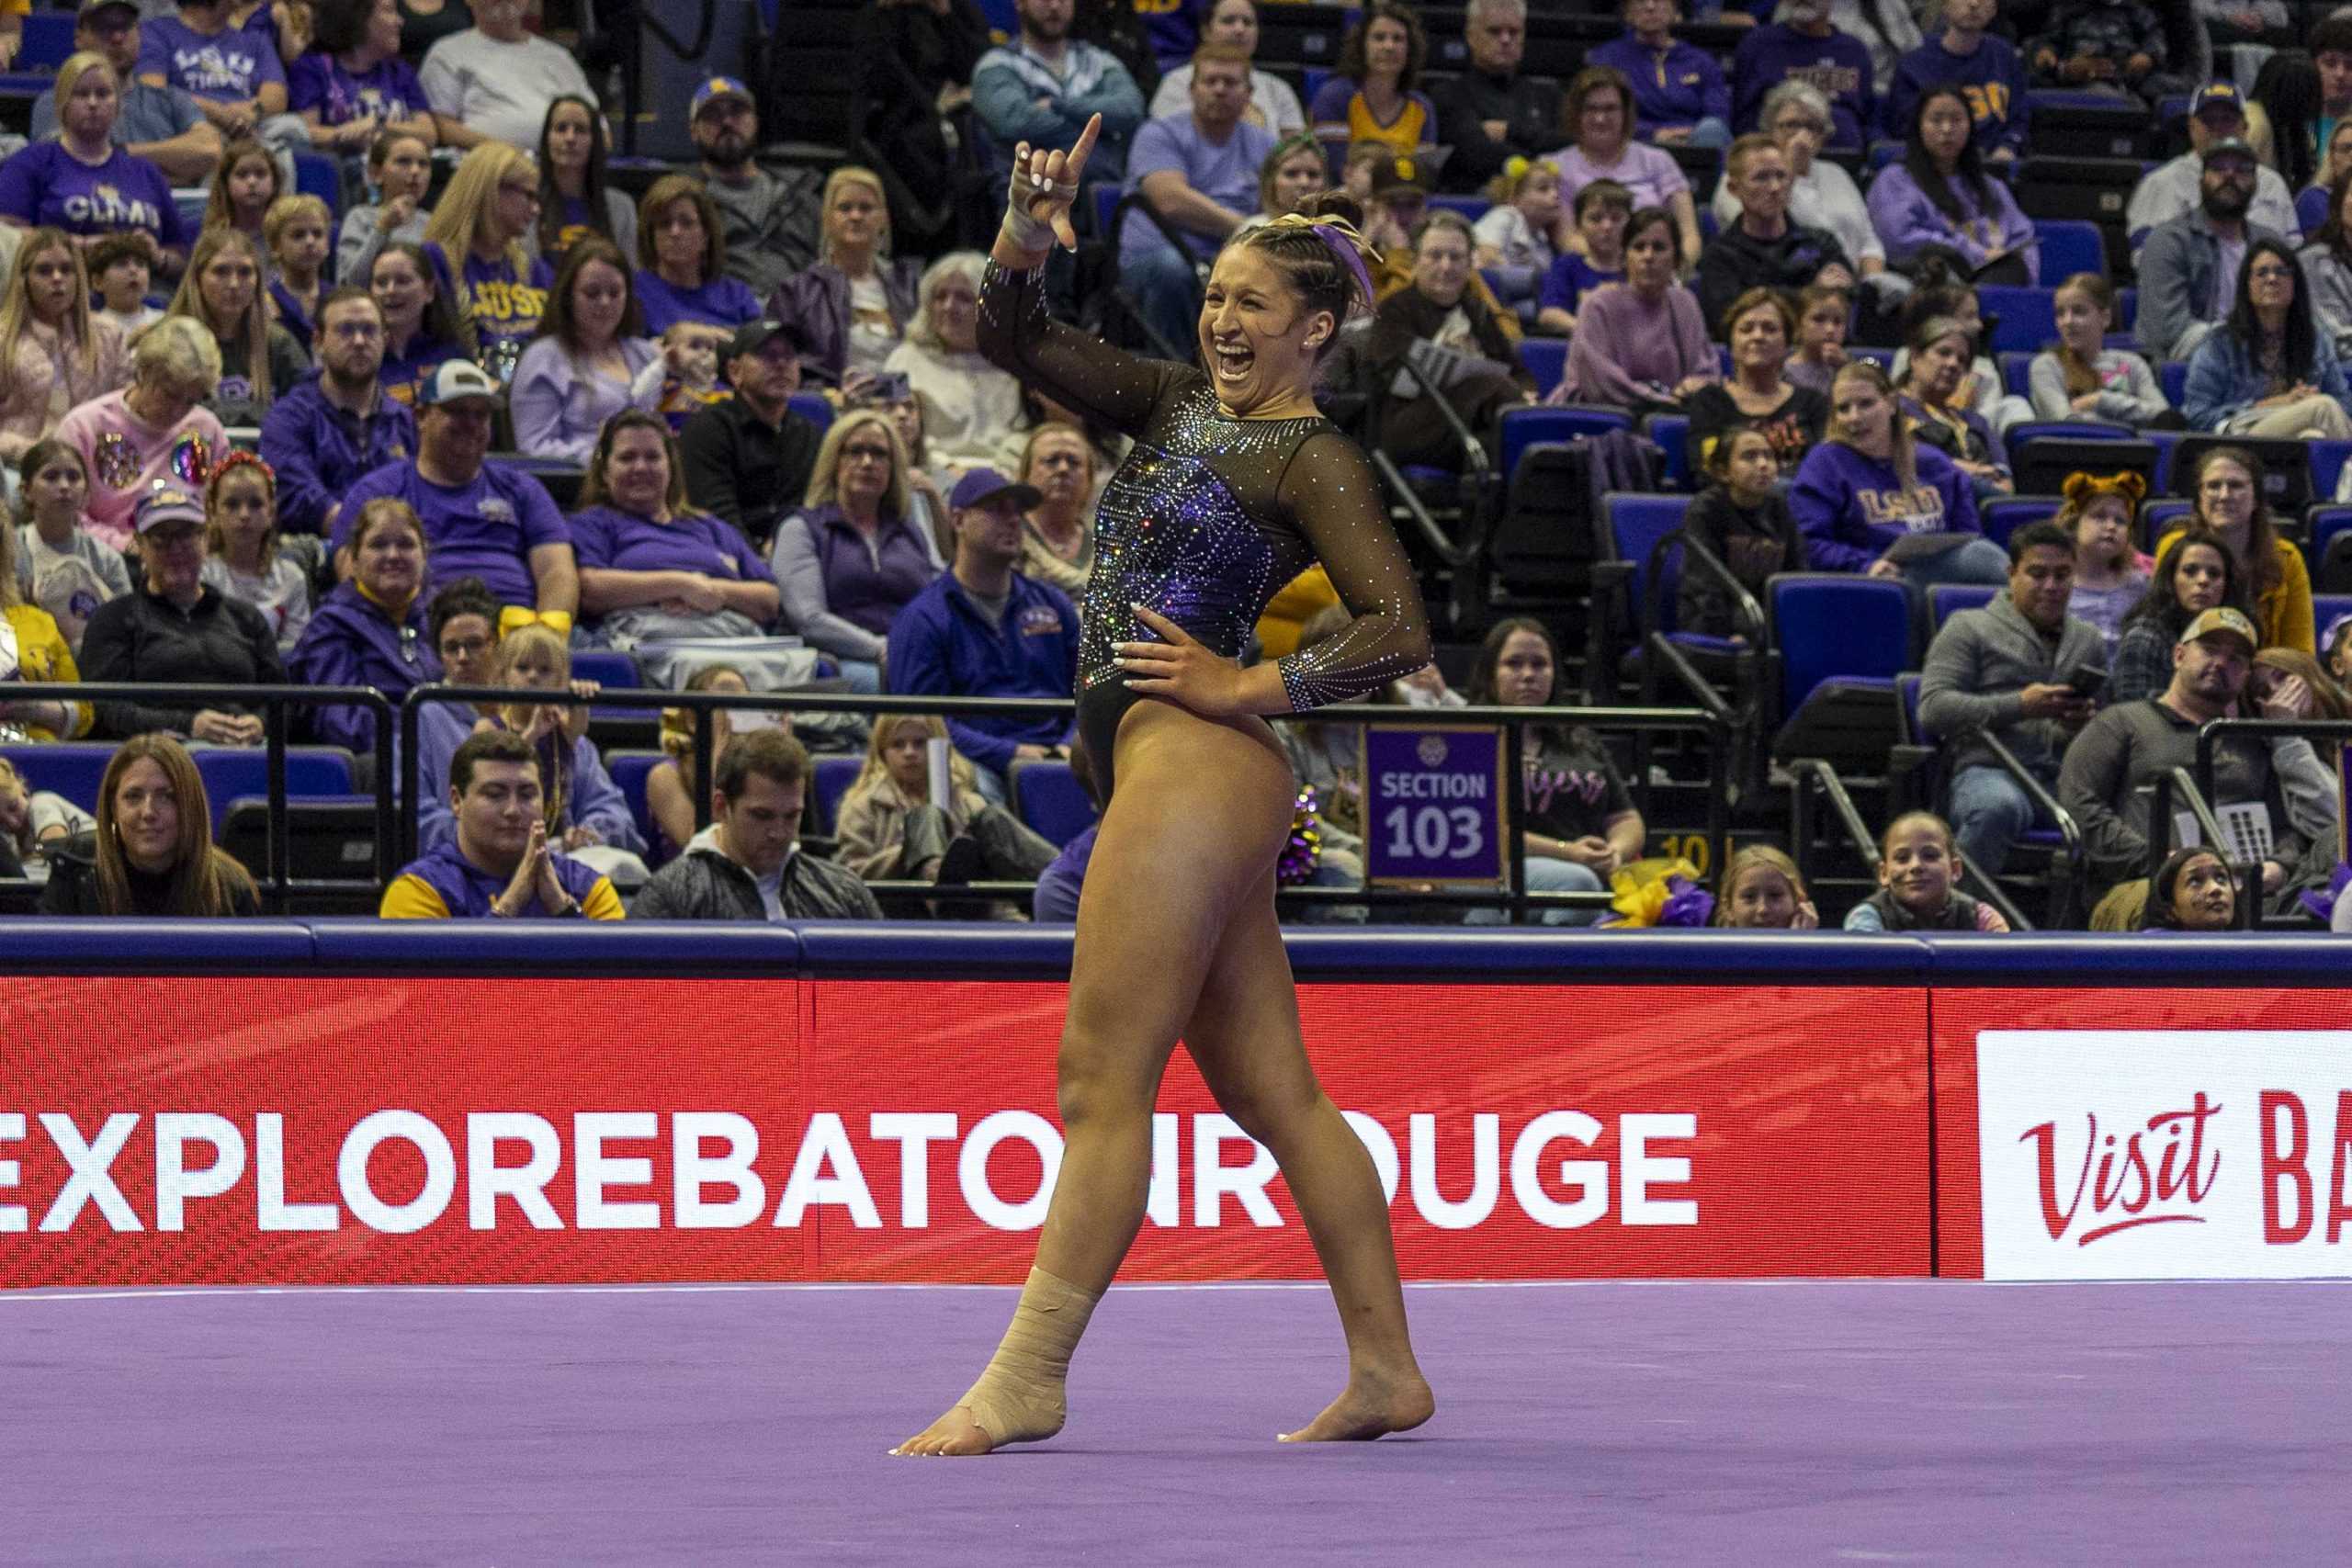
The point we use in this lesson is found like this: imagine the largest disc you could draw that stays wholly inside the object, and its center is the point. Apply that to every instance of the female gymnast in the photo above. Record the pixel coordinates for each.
(1235, 484)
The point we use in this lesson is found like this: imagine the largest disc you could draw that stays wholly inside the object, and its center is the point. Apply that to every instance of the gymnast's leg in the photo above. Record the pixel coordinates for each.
(1195, 824)
(1244, 1035)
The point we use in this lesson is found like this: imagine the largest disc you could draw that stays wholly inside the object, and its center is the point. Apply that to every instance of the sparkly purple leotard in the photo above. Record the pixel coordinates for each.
(1209, 517)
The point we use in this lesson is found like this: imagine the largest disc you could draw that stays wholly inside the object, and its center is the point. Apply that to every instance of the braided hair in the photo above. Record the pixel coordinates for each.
(1321, 256)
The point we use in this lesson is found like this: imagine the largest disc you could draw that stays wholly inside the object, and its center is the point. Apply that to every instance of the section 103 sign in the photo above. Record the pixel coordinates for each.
(1434, 804)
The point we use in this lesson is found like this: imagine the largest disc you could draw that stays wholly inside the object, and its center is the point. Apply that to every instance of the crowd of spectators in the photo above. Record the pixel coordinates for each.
(504, 396)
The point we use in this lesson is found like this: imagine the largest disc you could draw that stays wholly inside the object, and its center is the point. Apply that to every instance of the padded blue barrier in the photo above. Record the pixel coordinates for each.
(2069, 246)
(48, 41)
(1546, 359)
(1047, 797)
(629, 771)
(71, 768)
(1836, 627)
(2024, 318)
(1471, 207)
(229, 773)
(834, 775)
(2003, 515)
(2328, 458)
(1524, 427)
(590, 948)
(1946, 600)
(2027, 430)
(407, 949)
(812, 407)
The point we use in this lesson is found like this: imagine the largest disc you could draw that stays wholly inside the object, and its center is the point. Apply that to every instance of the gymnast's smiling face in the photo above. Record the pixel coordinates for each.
(1258, 337)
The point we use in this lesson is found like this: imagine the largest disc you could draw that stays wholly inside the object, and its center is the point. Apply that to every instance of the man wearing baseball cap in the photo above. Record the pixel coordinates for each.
(2116, 759)
(482, 519)
(768, 217)
(748, 457)
(2171, 190)
(984, 630)
(2188, 271)
(160, 124)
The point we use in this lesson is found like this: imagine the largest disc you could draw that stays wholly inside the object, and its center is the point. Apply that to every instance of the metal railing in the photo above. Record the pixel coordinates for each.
(2209, 737)
(274, 878)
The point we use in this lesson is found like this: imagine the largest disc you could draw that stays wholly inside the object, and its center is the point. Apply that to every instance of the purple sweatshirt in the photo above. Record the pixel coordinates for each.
(1850, 508)
(1839, 65)
(1678, 85)
(1907, 221)
(1992, 78)
(351, 640)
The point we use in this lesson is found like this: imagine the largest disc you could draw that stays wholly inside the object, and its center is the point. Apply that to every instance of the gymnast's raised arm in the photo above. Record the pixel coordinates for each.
(1073, 367)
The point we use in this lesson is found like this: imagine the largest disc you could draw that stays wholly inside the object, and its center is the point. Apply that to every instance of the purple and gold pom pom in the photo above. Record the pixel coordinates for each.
(1304, 852)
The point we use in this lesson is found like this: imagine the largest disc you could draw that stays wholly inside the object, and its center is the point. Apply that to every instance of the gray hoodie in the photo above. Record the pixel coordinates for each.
(1977, 671)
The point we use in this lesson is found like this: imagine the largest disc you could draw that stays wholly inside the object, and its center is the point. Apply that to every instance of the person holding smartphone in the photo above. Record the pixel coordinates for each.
(2022, 670)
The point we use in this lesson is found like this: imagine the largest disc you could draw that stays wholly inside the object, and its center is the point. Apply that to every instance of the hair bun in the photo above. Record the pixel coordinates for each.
(1333, 204)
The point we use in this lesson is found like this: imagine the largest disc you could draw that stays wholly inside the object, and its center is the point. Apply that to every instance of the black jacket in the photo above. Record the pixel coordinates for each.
(1528, 107)
(140, 636)
(744, 470)
(74, 883)
(1735, 261)
(704, 884)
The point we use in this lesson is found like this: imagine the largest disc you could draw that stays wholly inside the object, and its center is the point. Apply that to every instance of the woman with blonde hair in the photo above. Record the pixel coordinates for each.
(32, 648)
(852, 307)
(889, 831)
(1873, 483)
(51, 182)
(477, 241)
(156, 429)
(682, 260)
(849, 561)
(971, 410)
(668, 798)
(221, 290)
(53, 352)
(150, 853)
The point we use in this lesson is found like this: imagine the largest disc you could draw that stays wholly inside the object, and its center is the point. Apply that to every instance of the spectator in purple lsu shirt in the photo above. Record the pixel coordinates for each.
(233, 73)
(1799, 44)
(652, 566)
(82, 183)
(354, 85)
(1678, 89)
(371, 631)
(481, 519)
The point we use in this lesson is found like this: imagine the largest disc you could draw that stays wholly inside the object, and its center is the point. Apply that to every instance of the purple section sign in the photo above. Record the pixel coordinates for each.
(1433, 804)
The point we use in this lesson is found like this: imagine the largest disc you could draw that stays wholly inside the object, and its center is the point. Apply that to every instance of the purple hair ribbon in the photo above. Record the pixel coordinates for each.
(1343, 248)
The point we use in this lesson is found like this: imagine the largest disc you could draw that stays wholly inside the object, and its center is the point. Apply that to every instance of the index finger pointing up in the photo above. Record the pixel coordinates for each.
(1084, 145)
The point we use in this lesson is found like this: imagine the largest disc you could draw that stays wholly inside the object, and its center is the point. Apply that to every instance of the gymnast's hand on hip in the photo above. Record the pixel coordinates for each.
(1182, 670)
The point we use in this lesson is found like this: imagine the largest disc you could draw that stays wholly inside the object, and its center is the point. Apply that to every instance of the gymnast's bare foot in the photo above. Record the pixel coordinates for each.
(1373, 1405)
(954, 1435)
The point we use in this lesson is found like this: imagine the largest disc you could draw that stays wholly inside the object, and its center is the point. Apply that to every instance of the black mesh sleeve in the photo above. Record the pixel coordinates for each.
(1331, 493)
(1069, 365)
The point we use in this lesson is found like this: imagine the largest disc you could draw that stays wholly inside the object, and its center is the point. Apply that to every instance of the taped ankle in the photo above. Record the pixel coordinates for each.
(1020, 1397)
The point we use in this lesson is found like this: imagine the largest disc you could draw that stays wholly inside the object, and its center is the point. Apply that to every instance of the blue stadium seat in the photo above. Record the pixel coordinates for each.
(2326, 607)
(2310, 207)
(2069, 246)
(2024, 318)
(834, 775)
(1946, 600)
(2160, 517)
(1471, 207)
(71, 768)
(2027, 430)
(1672, 433)
(607, 668)
(2325, 523)
(1524, 428)
(629, 771)
(1841, 638)
(229, 772)
(1636, 524)
(2015, 369)
(2173, 376)
(1106, 207)
(1047, 797)
(315, 174)
(1546, 359)
(2003, 515)
(2127, 308)
(48, 41)
(2328, 458)
(813, 407)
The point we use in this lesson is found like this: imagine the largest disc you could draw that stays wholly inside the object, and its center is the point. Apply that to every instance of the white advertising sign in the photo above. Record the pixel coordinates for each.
(2169, 1155)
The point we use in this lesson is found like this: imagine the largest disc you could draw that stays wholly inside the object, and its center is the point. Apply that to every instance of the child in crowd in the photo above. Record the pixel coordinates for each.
(1524, 227)
(1823, 316)
(587, 816)
(1763, 890)
(60, 567)
(2110, 575)
(241, 556)
(2336, 647)
(889, 829)
(400, 172)
(121, 269)
(690, 351)
(2193, 891)
(296, 232)
(1744, 521)
(2083, 378)
(1593, 259)
(1355, 174)
(244, 188)
(32, 819)
(1917, 869)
